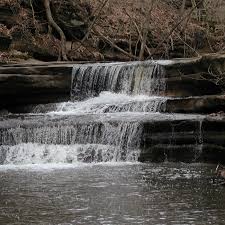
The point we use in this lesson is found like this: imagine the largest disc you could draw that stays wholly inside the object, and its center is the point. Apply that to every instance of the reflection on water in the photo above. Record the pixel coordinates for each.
(110, 194)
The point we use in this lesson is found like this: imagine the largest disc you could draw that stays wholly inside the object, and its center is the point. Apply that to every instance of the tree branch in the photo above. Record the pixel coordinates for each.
(115, 46)
(175, 27)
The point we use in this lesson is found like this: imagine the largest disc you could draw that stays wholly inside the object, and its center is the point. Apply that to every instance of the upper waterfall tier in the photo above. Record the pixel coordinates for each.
(135, 78)
(31, 84)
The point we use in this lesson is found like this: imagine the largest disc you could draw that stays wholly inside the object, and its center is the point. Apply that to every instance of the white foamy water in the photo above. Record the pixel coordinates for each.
(108, 102)
(125, 135)
(33, 153)
(48, 167)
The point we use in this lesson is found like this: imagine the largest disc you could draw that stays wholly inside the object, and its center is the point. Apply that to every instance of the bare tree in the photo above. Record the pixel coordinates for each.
(182, 7)
(146, 28)
(54, 25)
(176, 25)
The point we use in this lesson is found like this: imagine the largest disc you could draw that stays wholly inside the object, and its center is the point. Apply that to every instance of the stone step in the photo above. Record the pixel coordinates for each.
(19, 89)
(50, 69)
(185, 86)
(21, 85)
(173, 137)
(206, 153)
(199, 104)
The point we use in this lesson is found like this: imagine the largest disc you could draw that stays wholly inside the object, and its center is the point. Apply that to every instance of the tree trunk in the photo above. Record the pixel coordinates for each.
(146, 28)
(57, 28)
(182, 7)
(143, 43)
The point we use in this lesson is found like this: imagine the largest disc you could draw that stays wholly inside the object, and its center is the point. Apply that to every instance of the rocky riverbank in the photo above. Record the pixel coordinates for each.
(185, 122)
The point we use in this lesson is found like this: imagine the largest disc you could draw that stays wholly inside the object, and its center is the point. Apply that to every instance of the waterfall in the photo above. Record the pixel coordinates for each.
(116, 113)
(101, 141)
(99, 89)
(33, 153)
(122, 134)
(138, 78)
(108, 102)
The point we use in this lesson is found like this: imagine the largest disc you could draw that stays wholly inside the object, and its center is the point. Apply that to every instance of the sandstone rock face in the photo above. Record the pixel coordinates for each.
(185, 141)
(33, 85)
(196, 76)
(201, 104)
(189, 86)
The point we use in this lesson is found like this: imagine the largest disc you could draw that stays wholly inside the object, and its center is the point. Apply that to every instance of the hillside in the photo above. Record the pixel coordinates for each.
(104, 31)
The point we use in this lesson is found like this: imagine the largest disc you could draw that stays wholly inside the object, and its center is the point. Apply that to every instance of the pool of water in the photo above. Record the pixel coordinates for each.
(113, 193)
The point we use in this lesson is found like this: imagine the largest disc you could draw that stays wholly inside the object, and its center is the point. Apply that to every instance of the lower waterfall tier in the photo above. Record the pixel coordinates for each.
(112, 137)
(34, 153)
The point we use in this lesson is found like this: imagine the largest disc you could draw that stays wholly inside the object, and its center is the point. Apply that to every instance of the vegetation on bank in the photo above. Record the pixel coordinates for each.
(98, 30)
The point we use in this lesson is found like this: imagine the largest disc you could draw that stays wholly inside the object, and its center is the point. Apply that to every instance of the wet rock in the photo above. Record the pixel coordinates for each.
(184, 141)
(200, 104)
(187, 86)
(5, 42)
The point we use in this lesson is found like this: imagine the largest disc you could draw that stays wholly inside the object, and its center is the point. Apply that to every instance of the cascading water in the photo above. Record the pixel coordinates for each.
(139, 78)
(113, 87)
(124, 135)
(108, 102)
(130, 87)
(103, 122)
(104, 88)
(41, 153)
(84, 142)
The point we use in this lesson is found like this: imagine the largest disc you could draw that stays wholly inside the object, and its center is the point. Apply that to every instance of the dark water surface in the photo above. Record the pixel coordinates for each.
(110, 194)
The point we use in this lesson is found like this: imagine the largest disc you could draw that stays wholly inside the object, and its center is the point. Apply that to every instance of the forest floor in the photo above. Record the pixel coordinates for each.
(104, 31)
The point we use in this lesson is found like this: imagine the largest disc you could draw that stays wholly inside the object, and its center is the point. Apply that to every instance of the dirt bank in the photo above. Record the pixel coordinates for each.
(103, 31)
